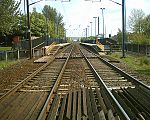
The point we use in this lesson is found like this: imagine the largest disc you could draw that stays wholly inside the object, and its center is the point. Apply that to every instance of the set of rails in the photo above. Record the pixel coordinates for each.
(77, 84)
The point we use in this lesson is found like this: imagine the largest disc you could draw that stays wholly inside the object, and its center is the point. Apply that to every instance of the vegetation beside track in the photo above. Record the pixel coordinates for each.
(5, 48)
(5, 64)
(141, 64)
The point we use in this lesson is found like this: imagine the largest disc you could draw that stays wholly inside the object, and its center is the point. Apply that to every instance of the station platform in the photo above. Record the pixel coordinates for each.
(63, 44)
(50, 51)
(89, 44)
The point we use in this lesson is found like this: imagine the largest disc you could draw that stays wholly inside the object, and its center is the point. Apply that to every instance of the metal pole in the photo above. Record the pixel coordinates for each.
(86, 32)
(95, 25)
(91, 29)
(47, 31)
(123, 28)
(29, 30)
(98, 25)
(103, 21)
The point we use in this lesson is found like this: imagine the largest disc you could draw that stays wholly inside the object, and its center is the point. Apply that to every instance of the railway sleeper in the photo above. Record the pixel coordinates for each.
(80, 104)
(133, 105)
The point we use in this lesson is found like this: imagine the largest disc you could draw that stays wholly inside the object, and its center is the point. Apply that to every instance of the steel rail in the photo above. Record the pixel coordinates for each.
(66, 48)
(46, 106)
(120, 110)
(14, 89)
(126, 75)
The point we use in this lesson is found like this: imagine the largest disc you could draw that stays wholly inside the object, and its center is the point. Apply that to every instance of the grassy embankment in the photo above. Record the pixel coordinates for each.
(140, 64)
(4, 64)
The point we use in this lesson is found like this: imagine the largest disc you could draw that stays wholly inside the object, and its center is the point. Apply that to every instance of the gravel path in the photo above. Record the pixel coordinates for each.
(16, 72)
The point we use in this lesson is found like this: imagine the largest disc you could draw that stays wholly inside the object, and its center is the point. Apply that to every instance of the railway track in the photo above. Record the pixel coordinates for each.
(130, 92)
(78, 94)
(76, 85)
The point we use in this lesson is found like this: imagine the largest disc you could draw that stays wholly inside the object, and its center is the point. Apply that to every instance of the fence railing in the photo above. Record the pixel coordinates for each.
(13, 55)
(19, 54)
(138, 48)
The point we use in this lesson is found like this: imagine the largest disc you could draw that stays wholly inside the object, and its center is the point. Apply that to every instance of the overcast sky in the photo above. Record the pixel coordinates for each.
(79, 13)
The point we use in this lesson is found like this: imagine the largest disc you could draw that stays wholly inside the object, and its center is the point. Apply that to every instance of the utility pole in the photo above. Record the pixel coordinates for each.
(86, 32)
(123, 28)
(91, 29)
(29, 27)
(103, 21)
(95, 25)
(47, 36)
(98, 25)
(29, 30)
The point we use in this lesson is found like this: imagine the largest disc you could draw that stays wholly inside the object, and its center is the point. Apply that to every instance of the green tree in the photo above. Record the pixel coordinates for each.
(55, 22)
(9, 11)
(135, 20)
(38, 23)
(119, 36)
(146, 25)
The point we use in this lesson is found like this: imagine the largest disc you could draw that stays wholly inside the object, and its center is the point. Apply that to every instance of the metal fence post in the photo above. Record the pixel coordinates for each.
(146, 50)
(18, 55)
(6, 56)
(138, 48)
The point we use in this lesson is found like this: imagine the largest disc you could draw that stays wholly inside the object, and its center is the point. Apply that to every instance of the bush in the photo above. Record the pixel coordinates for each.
(144, 60)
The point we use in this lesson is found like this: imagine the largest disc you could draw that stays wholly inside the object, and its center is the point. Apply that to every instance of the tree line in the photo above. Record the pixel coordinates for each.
(138, 28)
(14, 23)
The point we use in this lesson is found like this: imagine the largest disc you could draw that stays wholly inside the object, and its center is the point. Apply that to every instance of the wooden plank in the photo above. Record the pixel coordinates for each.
(53, 110)
(17, 106)
(74, 105)
(43, 59)
(32, 115)
(29, 106)
(89, 108)
(68, 115)
(94, 106)
(107, 101)
(110, 115)
(84, 104)
(10, 102)
(79, 105)
(13, 106)
(62, 109)
(100, 101)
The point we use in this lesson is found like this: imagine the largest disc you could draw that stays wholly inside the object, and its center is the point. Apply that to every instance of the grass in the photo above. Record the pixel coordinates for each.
(5, 48)
(5, 64)
(139, 64)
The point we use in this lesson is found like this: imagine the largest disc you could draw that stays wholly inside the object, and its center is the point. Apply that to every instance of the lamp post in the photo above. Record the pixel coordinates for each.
(88, 31)
(91, 29)
(95, 25)
(103, 20)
